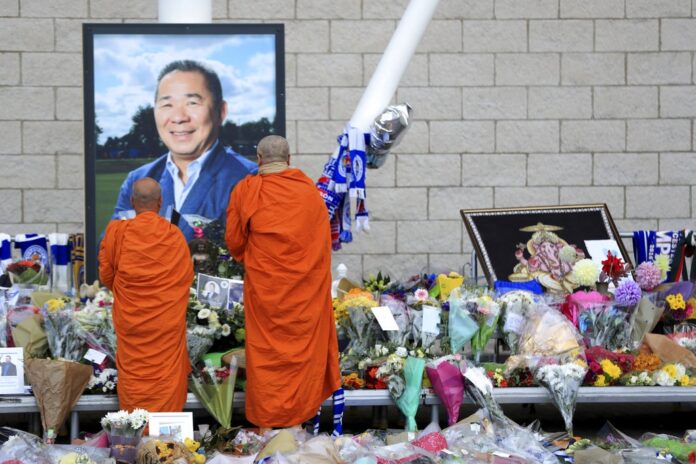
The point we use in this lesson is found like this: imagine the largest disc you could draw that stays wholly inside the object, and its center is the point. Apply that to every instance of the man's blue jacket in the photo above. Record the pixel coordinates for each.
(209, 195)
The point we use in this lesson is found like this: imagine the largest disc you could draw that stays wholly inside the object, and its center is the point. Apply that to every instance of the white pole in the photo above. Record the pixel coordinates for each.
(185, 11)
(397, 55)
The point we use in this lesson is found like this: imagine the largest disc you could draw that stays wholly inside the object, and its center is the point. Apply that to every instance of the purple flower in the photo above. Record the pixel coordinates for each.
(648, 275)
(627, 293)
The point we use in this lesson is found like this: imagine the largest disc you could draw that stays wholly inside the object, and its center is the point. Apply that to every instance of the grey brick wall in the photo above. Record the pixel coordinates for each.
(517, 102)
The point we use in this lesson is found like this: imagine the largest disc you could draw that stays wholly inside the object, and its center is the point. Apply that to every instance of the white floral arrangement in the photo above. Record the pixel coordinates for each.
(125, 422)
(670, 375)
(104, 381)
(639, 379)
(563, 382)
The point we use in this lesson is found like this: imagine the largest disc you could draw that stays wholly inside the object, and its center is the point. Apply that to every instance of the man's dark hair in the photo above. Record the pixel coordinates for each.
(212, 81)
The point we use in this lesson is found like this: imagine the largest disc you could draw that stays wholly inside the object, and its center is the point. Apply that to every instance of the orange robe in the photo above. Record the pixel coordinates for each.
(146, 263)
(278, 226)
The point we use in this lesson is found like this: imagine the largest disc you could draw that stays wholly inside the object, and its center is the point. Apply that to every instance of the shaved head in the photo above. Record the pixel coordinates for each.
(147, 195)
(273, 148)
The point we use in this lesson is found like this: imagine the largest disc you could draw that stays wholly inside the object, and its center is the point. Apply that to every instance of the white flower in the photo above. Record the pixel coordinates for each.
(203, 313)
(633, 380)
(363, 363)
(109, 385)
(213, 316)
(681, 370)
(411, 353)
(385, 351)
(402, 352)
(226, 330)
(138, 418)
(663, 379)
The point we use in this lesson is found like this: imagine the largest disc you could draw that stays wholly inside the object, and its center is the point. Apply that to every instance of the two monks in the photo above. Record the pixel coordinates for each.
(277, 225)
(146, 262)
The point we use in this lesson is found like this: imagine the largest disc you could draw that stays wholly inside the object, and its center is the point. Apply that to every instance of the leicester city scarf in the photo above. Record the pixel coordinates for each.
(33, 247)
(343, 178)
(60, 258)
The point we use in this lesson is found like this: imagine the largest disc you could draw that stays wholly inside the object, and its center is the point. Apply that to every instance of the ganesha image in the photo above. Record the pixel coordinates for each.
(546, 263)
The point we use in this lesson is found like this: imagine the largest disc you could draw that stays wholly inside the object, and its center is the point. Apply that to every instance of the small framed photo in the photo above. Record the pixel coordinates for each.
(235, 292)
(175, 425)
(12, 371)
(520, 244)
(213, 291)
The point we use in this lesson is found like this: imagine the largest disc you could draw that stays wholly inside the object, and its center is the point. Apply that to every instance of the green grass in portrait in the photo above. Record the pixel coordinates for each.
(110, 174)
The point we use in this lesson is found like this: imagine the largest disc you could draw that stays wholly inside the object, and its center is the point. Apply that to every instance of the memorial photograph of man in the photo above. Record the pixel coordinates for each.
(183, 109)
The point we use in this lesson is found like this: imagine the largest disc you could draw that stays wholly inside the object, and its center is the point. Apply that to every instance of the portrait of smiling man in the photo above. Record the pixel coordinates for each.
(198, 173)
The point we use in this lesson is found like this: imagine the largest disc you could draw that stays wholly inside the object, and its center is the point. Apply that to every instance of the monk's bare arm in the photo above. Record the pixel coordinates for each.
(106, 265)
(236, 232)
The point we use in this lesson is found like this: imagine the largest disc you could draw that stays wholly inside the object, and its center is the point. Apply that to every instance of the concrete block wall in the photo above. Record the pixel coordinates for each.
(517, 102)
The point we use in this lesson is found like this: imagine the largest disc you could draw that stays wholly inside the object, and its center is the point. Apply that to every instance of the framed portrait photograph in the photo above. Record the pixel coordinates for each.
(232, 81)
(11, 371)
(213, 291)
(522, 244)
(175, 425)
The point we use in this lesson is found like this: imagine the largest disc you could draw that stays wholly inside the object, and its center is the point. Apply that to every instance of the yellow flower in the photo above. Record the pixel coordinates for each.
(676, 301)
(54, 305)
(662, 263)
(671, 370)
(684, 381)
(600, 382)
(356, 302)
(611, 369)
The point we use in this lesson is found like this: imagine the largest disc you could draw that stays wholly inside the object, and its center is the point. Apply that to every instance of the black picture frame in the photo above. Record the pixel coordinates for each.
(177, 35)
(496, 232)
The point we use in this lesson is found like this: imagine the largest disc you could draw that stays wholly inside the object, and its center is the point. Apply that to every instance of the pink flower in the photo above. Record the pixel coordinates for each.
(484, 309)
(421, 294)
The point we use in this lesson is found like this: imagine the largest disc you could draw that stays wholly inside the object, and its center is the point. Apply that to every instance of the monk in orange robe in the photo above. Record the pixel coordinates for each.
(277, 225)
(146, 263)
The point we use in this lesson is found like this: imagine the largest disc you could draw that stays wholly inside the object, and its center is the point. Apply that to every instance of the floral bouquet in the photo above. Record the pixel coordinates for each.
(27, 272)
(684, 334)
(677, 309)
(360, 324)
(606, 367)
(199, 339)
(103, 382)
(405, 388)
(670, 375)
(124, 430)
(605, 325)
(516, 307)
(62, 331)
(648, 276)
(419, 302)
(214, 388)
(448, 385)
(377, 284)
(548, 333)
(461, 326)
(485, 311)
(575, 302)
(96, 326)
(562, 380)
(403, 318)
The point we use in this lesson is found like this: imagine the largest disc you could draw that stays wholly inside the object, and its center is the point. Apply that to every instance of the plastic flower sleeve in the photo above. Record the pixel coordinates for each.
(62, 334)
(409, 399)
(562, 381)
(216, 395)
(548, 333)
(605, 325)
(448, 385)
(516, 308)
(461, 325)
(402, 318)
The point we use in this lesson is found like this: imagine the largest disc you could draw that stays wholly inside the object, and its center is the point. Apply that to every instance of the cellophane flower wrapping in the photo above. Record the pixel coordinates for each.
(645, 317)
(62, 332)
(96, 328)
(403, 319)
(562, 377)
(485, 311)
(417, 303)
(516, 306)
(199, 339)
(462, 325)
(684, 334)
(575, 302)
(405, 389)
(506, 433)
(606, 325)
(214, 388)
(448, 385)
(548, 333)
(22, 447)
